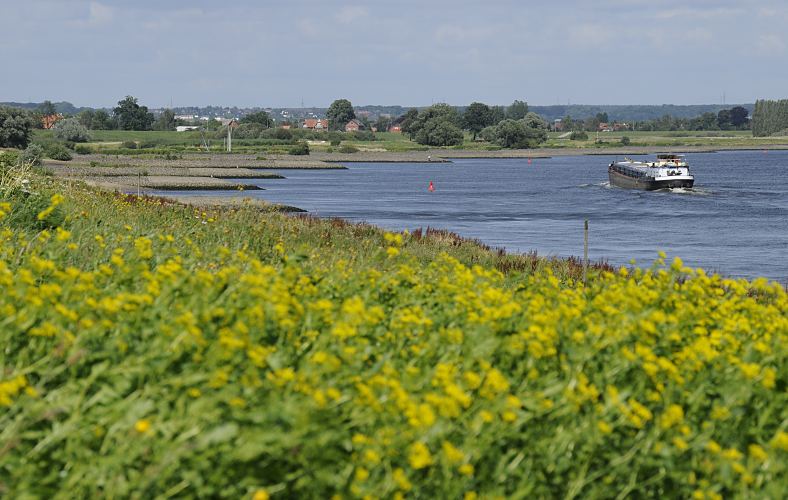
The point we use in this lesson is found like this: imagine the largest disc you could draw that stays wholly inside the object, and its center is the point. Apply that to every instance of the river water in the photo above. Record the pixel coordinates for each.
(735, 220)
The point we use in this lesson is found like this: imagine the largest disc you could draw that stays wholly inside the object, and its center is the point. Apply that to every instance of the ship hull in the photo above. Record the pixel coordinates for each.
(649, 184)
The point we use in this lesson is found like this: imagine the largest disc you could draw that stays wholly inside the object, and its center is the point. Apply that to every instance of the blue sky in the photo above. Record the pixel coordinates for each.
(278, 53)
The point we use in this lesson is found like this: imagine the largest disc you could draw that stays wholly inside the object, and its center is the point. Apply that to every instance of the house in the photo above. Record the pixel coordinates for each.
(354, 126)
(604, 127)
(558, 124)
(186, 128)
(620, 126)
(48, 121)
(316, 124)
(397, 129)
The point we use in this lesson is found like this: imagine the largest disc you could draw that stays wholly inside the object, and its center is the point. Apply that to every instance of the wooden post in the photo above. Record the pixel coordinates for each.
(585, 251)
(139, 181)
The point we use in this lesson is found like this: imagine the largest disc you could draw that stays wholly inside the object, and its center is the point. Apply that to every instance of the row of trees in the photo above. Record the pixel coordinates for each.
(735, 118)
(770, 118)
(443, 125)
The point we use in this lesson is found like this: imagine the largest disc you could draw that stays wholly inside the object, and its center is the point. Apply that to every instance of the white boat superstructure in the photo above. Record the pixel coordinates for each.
(668, 171)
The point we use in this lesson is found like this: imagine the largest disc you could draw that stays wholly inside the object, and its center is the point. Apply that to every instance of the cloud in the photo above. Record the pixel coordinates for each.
(100, 14)
(770, 44)
(351, 14)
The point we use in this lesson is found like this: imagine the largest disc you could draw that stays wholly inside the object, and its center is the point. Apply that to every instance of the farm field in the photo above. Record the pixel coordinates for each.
(156, 349)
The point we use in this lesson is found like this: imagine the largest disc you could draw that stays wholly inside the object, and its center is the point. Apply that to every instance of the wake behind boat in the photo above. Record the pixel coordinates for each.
(669, 171)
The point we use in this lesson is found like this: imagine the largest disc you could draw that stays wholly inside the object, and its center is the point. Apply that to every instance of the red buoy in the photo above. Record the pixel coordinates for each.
(431, 188)
(529, 161)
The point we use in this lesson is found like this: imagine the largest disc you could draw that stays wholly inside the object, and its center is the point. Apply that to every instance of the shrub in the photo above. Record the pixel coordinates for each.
(282, 134)
(578, 135)
(625, 141)
(16, 127)
(72, 130)
(128, 144)
(70, 145)
(32, 155)
(335, 142)
(81, 149)
(348, 148)
(301, 148)
(57, 151)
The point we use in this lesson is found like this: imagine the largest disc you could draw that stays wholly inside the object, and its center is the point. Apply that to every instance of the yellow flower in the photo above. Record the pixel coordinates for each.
(261, 495)
(757, 452)
(604, 427)
(466, 469)
(361, 474)
(780, 441)
(453, 455)
(142, 426)
(419, 456)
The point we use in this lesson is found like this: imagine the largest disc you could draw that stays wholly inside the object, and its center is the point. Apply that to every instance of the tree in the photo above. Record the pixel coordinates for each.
(497, 114)
(260, 117)
(132, 116)
(383, 123)
(47, 108)
(724, 119)
(166, 121)
(602, 118)
(511, 133)
(16, 127)
(434, 112)
(339, 113)
(738, 116)
(439, 131)
(407, 120)
(517, 110)
(535, 129)
(71, 130)
(476, 117)
(102, 121)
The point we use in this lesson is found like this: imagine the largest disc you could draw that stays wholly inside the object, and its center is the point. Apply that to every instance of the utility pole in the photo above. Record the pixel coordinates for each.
(230, 137)
(585, 252)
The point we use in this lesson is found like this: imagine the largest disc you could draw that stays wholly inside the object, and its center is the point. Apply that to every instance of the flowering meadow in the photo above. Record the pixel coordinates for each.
(155, 350)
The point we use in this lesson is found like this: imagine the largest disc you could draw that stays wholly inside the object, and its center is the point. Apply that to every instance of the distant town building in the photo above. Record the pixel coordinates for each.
(558, 125)
(316, 124)
(604, 127)
(186, 118)
(285, 126)
(397, 129)
(354, 126)
(48, 121)
(186, 128)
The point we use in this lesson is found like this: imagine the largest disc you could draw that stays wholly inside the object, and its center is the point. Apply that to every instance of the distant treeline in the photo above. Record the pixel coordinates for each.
(633, 112)
(770, 117)
(619, 113)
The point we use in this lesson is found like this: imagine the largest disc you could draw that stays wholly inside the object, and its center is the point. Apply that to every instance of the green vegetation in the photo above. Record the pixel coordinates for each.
(299, 149)
(131, 116)
(339, 113)
(438, 125)
(70, 130)
(155, 350)
(16, 127)
(260, 118)
(165, 121)
(770, 118)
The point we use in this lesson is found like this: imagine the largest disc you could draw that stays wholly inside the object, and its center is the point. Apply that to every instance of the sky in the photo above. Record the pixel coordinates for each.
(413, 53)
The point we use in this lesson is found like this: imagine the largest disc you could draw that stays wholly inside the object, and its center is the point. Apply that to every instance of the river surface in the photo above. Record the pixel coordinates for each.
(735, 221)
